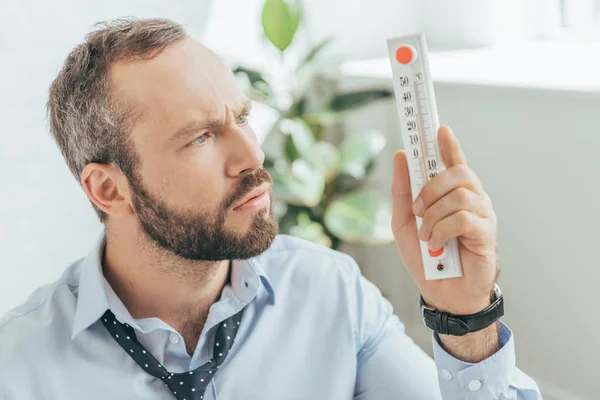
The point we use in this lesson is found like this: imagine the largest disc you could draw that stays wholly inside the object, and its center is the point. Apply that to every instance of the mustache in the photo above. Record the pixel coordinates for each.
(246, 185)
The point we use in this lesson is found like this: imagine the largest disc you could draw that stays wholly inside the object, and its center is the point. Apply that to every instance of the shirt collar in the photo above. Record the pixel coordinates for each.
(96, 296)
(92, 299)
(246, 278)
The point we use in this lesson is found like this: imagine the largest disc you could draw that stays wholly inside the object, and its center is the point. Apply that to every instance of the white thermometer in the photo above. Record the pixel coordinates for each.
(415, 102)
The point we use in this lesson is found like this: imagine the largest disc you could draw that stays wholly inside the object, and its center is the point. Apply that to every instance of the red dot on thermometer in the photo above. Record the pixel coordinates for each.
(405, 54)
(436, 253)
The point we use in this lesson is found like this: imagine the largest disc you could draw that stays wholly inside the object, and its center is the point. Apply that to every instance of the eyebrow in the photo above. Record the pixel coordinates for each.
(197, 125)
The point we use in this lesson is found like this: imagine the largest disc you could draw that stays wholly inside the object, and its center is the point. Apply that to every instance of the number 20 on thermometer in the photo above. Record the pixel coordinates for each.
(415, 102)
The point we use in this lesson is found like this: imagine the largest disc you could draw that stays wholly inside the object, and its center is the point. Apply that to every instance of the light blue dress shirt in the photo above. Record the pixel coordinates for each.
(313, 328)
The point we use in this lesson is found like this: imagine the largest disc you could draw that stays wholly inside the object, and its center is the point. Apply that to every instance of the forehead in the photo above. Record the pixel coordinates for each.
(184, 82)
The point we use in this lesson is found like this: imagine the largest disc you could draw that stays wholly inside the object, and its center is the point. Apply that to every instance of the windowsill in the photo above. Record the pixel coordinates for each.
(557, 66)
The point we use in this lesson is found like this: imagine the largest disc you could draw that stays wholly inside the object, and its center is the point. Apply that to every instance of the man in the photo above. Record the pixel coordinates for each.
(188, 294)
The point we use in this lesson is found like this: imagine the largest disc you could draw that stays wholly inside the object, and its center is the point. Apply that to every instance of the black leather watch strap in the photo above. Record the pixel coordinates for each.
(459, 325)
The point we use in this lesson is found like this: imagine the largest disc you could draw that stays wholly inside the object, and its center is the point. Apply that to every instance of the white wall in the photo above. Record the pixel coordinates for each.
(535, 151)
(360, 28)
(45, 219)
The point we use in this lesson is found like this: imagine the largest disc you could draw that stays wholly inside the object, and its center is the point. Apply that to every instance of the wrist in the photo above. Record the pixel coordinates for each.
(473, 347)
(458, 308)
(460, 305)
(459, 319)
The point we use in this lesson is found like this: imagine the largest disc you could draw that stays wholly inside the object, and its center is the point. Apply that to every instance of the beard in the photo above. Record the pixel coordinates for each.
(203, 236)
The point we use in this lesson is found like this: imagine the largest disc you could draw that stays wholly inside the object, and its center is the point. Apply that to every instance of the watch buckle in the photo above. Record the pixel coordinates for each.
(426, 307)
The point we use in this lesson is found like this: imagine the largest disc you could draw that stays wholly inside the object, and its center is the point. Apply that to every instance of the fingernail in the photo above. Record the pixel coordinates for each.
(418, 207)
(423, 232)
(433, 245)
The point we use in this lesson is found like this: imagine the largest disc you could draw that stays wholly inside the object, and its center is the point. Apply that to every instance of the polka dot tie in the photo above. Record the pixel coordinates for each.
(187, 385)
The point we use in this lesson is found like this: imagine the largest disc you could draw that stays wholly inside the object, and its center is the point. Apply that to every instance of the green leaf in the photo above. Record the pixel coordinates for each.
(358, 151)
(291, 151)
(360, 217)
(269, 162)
(299, 141)
(312, 54)
(300, 106)
(253, 75)
(330, 159)
(299, 184)
(297, 108)
(289, 218)
(351, 100)
(310, 230)
(324, 118)
(256, 79)
(280, 20)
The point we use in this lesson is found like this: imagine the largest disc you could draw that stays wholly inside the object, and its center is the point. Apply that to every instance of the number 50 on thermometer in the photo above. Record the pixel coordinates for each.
(415, 103)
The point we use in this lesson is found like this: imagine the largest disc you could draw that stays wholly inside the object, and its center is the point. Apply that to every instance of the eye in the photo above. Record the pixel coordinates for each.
(242, 119)
(200, 139)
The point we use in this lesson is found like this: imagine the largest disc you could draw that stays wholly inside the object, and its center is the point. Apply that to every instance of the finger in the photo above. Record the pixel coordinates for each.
(458, 200)
(401, 191)
(401, 180)
(457, 176)
(461, 223)
(452, 153)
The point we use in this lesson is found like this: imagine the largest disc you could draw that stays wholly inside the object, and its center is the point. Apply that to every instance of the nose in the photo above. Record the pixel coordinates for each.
(245, 154)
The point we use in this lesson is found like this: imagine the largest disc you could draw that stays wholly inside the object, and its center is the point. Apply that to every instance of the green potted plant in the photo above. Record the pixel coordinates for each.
(319, 188)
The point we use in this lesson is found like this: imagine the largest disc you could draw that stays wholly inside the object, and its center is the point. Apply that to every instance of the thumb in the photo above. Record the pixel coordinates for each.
(401, 191)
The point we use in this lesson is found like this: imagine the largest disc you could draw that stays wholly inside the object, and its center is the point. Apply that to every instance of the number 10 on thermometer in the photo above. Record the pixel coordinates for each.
(415, 102)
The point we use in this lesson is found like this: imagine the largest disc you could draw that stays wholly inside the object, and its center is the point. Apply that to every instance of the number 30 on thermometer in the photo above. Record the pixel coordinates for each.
(415, 102)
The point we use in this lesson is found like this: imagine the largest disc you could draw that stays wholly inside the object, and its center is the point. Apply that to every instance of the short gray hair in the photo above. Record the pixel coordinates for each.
(88, 122)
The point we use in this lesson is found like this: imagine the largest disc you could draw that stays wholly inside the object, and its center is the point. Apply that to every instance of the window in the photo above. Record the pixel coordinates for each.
(580, 19)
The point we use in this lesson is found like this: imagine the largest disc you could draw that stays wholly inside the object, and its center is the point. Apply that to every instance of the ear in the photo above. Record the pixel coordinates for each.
(107, 187)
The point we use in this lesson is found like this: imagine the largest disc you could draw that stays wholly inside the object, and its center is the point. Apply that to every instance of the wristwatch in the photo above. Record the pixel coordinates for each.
(459, 325)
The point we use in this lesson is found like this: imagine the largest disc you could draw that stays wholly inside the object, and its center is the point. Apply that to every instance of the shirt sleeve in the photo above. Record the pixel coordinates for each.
(391, 366)
(496, 377)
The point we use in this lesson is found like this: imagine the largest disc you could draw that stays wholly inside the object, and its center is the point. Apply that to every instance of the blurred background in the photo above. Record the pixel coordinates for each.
(517, 80)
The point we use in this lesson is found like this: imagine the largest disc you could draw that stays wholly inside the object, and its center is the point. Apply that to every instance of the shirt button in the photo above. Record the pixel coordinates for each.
(474, 385)
(447, 375)
(174, 338)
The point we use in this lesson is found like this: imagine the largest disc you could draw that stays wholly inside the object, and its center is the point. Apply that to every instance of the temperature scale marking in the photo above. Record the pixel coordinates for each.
(421, 141)
(415, 103)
